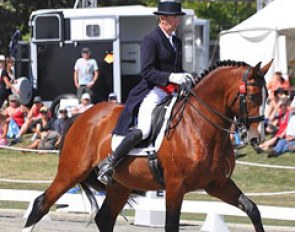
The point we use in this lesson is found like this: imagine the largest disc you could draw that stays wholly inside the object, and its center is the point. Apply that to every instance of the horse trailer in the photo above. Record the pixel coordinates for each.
(113, 34)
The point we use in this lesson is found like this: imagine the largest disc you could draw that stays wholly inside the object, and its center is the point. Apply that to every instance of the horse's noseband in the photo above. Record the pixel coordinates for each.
(244, 119)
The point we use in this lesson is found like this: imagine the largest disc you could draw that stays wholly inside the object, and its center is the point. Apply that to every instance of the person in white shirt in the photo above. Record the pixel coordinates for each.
(86, 73)
(84, 105)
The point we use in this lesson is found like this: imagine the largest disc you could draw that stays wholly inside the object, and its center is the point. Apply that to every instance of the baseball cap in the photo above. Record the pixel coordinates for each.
(44, 109)
(37, 99)
(2, 57)
(85, 96)
(86, 50)
(12, 97)
(62, 109)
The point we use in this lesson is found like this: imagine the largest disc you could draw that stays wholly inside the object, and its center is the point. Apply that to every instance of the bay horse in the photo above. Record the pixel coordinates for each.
(197, 154)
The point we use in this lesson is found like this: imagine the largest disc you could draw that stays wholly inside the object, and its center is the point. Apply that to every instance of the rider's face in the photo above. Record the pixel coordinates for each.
(170, 22)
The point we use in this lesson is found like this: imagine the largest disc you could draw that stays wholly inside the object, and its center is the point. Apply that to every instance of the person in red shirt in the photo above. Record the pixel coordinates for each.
(283, 119)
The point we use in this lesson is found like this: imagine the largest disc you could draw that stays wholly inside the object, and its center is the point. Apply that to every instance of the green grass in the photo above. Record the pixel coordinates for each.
(17, 165)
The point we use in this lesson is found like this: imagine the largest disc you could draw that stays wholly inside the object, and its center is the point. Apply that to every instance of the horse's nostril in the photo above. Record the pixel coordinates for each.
(254, 142)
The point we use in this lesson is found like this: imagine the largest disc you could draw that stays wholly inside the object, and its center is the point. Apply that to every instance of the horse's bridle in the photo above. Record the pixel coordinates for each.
(243, 121)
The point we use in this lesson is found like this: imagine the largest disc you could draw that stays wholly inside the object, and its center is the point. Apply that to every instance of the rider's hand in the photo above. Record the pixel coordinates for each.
(180, 78)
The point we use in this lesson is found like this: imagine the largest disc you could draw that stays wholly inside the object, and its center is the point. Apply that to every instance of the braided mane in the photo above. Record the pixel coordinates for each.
(198, 78)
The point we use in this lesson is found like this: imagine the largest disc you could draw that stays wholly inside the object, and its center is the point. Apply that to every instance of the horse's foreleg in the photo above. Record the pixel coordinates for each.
(116, 198)
(174, 198)
(231, 194)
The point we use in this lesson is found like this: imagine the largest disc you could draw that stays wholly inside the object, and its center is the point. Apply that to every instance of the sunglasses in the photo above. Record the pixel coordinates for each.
(12, 100)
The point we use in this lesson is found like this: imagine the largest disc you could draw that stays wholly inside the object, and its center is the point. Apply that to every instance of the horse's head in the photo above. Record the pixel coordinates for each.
(252, 94)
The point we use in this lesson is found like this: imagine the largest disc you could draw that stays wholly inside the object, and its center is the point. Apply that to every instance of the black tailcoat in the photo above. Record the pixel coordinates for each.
(158, 60)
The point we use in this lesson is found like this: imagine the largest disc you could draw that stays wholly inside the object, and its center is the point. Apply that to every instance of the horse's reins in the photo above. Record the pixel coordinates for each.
(243, 120)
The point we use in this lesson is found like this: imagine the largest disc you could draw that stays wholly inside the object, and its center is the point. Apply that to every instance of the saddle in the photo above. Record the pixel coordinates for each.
(149, 147)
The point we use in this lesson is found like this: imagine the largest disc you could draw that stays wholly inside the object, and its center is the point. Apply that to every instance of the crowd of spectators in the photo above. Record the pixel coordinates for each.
(279, 124)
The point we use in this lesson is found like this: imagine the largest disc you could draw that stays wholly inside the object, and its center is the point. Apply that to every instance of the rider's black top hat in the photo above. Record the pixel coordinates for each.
(169, 8)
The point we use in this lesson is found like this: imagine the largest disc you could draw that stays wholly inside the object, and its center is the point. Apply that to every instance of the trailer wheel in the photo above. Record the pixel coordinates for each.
(54, 107)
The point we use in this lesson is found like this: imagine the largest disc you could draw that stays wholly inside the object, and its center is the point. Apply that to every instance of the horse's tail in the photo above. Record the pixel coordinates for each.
(66, 129)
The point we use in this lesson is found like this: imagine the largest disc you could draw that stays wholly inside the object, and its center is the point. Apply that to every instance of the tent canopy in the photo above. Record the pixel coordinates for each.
(268, 34)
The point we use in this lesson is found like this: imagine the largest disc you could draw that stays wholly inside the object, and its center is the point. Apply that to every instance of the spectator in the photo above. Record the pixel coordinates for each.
(84, 105)
(46, 137)
(276, 82)
(85, 74)
(6, 79)
(280, 94)
(112, 98)
(61, 121)
(42, 124)
(16, 115)
(3, 129)
(287, 142)
(33, 115)
(283, 118)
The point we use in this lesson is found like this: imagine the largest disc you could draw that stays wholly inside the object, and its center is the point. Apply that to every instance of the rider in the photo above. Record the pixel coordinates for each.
(161, 71)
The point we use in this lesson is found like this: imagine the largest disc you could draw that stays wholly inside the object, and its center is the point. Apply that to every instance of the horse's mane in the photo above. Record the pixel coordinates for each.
(198, 78)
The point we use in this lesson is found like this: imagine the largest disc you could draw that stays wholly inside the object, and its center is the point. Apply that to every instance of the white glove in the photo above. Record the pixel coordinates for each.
(180, 78)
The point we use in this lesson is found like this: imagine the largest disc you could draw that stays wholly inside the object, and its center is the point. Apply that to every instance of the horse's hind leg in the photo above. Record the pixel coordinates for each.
(66, 177)
(231, 194)
(116, 198)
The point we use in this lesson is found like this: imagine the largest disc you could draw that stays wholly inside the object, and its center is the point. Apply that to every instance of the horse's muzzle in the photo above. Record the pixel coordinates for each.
(253, 138)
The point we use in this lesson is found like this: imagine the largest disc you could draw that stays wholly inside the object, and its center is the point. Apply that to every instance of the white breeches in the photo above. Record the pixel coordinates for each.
(146, 108)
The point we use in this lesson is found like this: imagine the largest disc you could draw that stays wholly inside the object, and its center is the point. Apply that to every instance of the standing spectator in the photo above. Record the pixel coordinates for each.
(84, 105)
(61, 121)
(6, 79)
(86, 73)
(288, 141)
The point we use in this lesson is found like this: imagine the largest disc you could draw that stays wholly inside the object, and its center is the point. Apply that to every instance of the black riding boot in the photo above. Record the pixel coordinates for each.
(106, 167)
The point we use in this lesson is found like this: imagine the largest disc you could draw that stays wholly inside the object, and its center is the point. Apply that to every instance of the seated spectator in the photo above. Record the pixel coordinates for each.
(276, 82)
(287, 142)
(84, 105)
(273, 108)
(61, 121)
(3, 129)
(42, 124)
(46, 137)
(283, 118)
(16, 116)
(33, 115)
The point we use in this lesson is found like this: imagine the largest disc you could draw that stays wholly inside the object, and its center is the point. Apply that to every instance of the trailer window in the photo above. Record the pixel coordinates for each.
(93, 30)
(47, 28)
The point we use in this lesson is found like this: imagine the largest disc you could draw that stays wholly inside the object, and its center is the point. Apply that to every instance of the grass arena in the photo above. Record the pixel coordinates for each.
(266, 181)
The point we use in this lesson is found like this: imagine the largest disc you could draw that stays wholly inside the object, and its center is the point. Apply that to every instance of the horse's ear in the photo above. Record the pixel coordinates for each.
(256, 69)
(266, 67)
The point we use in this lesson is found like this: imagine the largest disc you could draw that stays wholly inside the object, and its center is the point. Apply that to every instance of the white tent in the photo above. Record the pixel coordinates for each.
(270, 33)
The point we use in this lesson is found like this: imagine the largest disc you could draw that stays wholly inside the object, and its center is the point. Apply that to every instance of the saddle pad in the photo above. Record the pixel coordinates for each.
(117, 139)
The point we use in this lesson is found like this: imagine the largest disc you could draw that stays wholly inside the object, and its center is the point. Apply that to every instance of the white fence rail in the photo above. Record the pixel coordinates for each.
(149, 211)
